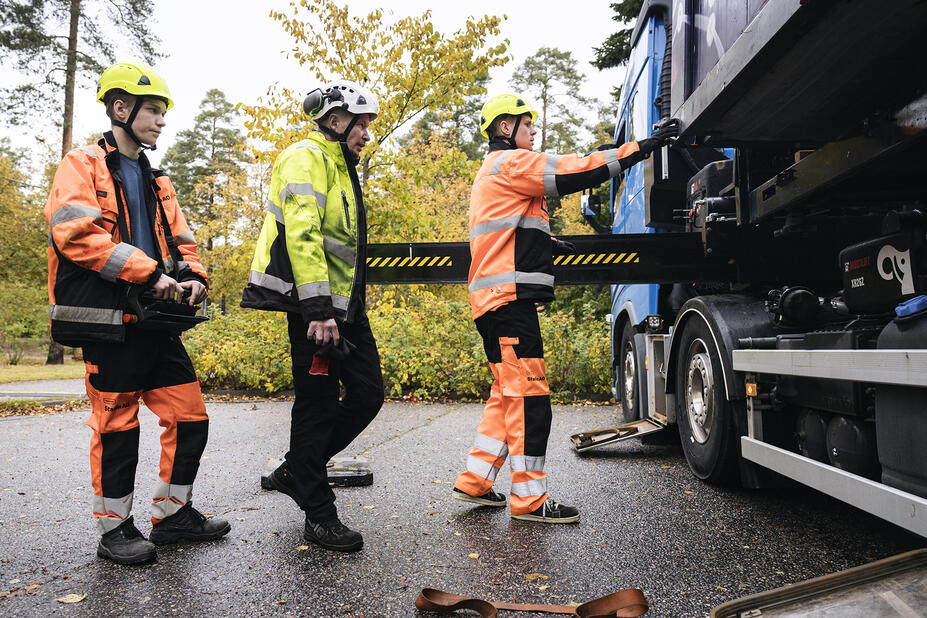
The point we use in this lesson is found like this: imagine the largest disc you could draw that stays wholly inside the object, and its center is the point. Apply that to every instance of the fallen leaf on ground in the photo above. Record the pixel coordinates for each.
(544, 587)
(72, 598)
(302, 548)
(474, 556)
(279, 602)
(533, 576)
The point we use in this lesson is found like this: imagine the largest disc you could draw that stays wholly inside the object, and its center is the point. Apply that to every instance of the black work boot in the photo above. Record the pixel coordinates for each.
(332, 534)
(188, 524)
(551, 512)
(281, 480)
(126, 545)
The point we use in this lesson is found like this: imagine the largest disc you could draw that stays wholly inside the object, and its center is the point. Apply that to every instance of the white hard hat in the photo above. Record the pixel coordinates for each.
(341, 94)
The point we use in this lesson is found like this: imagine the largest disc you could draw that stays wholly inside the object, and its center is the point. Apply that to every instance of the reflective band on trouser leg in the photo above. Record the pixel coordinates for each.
(113, 455)
(489, 448)
(182, 414)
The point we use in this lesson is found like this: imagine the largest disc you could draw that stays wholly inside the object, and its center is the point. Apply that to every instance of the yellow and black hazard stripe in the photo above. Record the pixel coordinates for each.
(593, 259)
(667, 257)
(426, 261)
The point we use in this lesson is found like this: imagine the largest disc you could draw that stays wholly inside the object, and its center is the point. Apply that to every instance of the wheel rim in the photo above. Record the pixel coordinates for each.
(699, 391)
(630, 370)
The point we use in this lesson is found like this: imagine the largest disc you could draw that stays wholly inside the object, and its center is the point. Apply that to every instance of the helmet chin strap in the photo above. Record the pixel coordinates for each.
(127, 125)
(509, 139)
(343, 136)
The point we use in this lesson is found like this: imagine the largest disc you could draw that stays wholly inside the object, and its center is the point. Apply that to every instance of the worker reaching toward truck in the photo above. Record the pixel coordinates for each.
(512, 269)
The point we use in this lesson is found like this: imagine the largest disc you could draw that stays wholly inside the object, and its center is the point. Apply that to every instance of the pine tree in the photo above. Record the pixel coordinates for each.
(54, 44)
(205, 157)
(551, 77)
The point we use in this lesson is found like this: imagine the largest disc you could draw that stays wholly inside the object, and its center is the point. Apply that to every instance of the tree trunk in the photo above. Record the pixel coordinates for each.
(56, 351)
(70, 72)
(544, 121)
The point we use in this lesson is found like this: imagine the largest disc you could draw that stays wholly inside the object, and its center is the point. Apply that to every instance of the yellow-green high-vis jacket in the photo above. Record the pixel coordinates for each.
(311, 254)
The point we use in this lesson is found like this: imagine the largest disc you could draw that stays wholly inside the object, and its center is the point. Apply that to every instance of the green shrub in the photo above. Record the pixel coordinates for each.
(23, 318)
(428, 346)
(429, 349)
(242, 349)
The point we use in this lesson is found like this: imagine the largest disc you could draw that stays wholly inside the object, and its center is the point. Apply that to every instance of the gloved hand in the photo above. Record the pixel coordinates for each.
(665, 133)
(562, 247)
(340, 352)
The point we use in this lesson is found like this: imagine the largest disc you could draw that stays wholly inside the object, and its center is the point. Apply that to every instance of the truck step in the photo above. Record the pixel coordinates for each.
(590, 439)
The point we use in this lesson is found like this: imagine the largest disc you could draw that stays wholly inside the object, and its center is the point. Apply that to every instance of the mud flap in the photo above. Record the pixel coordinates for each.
(591, 439)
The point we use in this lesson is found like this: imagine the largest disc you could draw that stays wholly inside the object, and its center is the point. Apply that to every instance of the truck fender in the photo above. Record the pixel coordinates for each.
(624, 314)
(729, 317)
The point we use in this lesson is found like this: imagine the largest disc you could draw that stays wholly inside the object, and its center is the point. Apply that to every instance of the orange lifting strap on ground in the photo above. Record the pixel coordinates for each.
(627, 603)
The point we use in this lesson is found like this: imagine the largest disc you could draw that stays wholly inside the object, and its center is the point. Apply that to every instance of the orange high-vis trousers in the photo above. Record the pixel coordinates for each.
(154, 367)
(516, 419)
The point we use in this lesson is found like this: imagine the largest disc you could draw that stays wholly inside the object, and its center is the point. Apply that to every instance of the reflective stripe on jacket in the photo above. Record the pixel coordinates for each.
(311, 252)
(90, 263)
(510, 245)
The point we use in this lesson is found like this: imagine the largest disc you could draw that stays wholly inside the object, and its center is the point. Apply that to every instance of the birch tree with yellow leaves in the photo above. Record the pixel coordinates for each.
(410, 65)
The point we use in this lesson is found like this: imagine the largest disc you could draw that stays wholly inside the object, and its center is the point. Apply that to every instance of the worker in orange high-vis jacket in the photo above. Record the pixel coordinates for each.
(512, 269)
(115, 231)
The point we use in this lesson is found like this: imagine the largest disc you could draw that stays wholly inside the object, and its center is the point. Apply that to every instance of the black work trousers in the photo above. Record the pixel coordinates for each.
(323, 423)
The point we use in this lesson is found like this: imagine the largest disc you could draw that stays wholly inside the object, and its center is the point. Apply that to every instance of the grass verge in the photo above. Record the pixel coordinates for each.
(22, 373)
(32, 407)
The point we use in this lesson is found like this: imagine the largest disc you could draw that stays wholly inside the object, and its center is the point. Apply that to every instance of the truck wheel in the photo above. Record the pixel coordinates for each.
(626, 376)
(706, 424)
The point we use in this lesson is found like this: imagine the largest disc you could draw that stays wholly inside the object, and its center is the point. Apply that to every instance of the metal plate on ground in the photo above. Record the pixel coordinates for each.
(342, 472)
(893, 587)
(590, 439)
(349, 472)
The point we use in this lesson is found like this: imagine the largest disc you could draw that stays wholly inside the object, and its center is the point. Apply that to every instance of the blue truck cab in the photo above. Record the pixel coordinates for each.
(637, 113)
(647, 199)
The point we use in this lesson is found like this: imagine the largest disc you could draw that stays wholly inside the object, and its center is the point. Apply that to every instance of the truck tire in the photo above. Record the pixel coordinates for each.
(703, 414)
(627, 374)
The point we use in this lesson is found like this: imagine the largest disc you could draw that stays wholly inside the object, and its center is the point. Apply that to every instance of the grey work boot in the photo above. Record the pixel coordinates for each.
(188, 524)
(126, 545)
(332, 534)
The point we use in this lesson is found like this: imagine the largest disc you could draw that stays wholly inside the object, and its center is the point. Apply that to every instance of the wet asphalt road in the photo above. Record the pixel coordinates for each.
(646, 522)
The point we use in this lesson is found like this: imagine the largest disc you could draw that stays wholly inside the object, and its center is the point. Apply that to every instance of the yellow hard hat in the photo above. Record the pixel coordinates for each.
(135, 78)
(504, 104)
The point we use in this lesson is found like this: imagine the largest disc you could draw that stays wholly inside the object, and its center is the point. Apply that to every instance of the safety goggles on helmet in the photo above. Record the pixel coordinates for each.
(502, 104)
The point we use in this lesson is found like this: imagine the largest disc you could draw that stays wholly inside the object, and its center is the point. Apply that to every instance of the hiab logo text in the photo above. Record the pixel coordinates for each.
(895, 264)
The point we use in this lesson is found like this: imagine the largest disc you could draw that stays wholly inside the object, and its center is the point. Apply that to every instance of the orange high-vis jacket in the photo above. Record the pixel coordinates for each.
(510, 244)
(90, 264)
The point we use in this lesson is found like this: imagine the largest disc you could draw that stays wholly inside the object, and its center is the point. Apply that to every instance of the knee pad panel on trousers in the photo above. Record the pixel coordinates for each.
(113, 461)
(538, 417)
(191, 442)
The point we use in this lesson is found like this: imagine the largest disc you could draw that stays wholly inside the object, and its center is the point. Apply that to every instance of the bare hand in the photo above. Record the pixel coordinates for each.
(323, 331)
(197, 291)
(166, 288)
